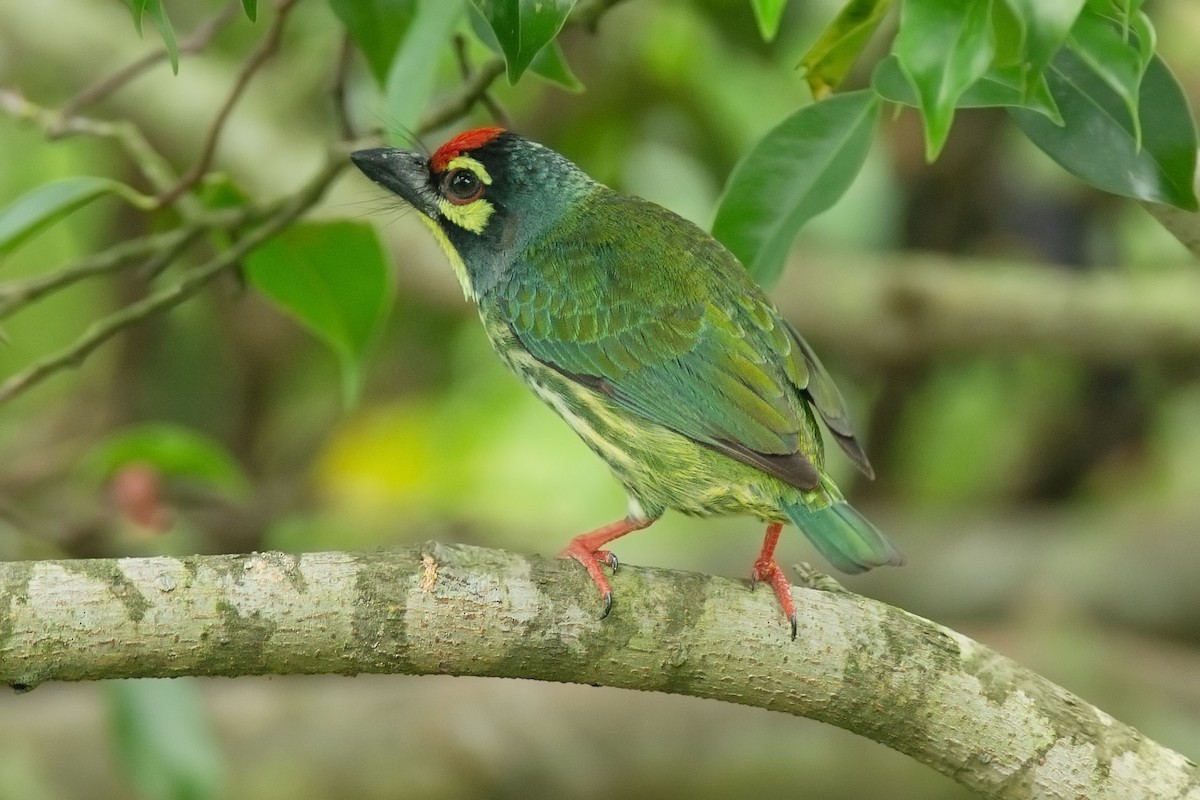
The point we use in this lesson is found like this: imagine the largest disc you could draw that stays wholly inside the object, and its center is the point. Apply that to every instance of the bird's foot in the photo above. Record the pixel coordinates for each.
(591, 561)
(767, 571)
(588, 550)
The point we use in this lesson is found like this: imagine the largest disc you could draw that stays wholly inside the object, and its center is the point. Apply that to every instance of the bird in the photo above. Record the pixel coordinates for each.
(649, 339)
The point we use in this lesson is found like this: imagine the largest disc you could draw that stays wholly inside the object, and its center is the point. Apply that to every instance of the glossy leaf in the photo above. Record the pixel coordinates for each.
(410, 78)
(251, 9)
(1045, 25)
(1108, 52)
(550, 63)
(136, 9)
(768, 13)
(999, 86)
(173, 450)
(524, 27)
(159, 15)
(377, 27)
(943, 49)
(1098, 142)
(331, 277)
(829, 60)
(799, 169)
(1008, 35)
(139, 8)
(41, 207)
(163, 740)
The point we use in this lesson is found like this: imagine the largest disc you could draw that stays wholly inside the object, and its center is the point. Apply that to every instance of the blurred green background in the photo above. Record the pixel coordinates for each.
(1047, 500)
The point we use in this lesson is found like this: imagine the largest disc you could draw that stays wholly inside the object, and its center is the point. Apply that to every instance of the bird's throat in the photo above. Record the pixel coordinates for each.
(456, 262)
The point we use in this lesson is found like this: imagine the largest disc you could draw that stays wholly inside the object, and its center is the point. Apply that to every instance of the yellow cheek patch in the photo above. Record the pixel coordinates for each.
(472, 217)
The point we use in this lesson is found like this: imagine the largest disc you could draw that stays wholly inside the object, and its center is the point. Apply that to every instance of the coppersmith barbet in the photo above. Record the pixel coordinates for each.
(648, 338)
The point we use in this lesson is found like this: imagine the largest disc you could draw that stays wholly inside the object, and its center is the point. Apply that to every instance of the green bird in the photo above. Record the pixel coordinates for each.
(649, 339)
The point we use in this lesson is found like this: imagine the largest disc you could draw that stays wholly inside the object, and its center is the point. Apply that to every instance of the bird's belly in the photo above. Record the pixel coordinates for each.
(659, 468)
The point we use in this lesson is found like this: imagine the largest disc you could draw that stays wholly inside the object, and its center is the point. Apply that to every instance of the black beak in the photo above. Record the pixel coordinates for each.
(401, 172)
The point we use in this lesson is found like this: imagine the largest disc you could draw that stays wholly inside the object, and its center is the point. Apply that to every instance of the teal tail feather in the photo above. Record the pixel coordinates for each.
(844, 536)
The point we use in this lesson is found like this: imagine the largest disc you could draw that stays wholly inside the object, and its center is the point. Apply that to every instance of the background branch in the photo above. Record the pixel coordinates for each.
(265, 50)
(197, 42)
(101, 331)
(906, 307)
(915, 686)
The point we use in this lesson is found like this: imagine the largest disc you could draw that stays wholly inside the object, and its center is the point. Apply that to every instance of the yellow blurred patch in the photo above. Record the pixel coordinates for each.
(381, 461)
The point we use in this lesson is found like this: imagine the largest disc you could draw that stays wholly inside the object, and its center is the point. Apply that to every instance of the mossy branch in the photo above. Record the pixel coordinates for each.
(915, 686)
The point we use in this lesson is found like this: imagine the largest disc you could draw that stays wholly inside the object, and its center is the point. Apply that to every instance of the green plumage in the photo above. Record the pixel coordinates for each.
(676, 369)
(651, 341)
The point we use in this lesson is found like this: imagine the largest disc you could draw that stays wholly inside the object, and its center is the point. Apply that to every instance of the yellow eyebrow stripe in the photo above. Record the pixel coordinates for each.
(466, 162)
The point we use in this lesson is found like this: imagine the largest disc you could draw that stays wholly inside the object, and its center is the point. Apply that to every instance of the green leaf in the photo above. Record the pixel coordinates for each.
(251, 9)
(799, 169)
(159, 14)
(550, 63)
(410, 78)
(1098, 142)
(943, 47)
(1109, 54)
(377, 27)
(768, 13)
(524, 27)
(138, 8)
(332, 277)
(173, 450)
(163, 740)
(40, 208)
(827, 62)
(999, 86)
(1045, 25)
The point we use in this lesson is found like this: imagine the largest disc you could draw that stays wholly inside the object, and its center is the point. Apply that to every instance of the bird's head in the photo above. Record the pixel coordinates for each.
(486, 194)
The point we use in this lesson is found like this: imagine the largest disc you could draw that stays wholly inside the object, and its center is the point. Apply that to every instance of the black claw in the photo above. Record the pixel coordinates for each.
(792, 619)
(612, 562)
(608, 606)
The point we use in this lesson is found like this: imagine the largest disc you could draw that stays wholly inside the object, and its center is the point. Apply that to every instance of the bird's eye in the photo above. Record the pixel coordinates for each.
(461, 186)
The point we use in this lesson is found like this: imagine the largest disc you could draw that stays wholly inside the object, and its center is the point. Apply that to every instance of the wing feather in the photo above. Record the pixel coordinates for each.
(659, 317)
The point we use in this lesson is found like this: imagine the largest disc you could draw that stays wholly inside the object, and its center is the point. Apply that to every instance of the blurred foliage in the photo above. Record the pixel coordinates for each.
(1047, 503)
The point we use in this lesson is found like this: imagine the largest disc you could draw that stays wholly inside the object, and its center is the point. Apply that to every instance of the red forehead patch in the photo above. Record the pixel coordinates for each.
(463, 143)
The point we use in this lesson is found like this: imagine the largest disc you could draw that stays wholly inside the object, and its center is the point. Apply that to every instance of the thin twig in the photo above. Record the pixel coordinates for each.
(101, 331)
(471, 92)
(588, 12)
(259, 57)
(16, 294)
(149, 161)
(341, 107)
(466, 70)
(198, 41)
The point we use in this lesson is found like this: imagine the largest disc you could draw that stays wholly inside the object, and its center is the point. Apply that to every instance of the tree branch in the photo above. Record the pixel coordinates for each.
(915, 686)
(901, 307)
(104, 329)
(157, 246)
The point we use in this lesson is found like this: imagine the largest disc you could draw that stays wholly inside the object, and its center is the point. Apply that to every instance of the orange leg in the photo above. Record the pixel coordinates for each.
(765, 569)
(586, 549)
